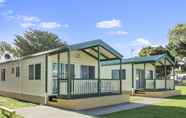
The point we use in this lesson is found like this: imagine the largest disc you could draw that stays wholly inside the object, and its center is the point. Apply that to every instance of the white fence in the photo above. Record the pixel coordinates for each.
(149, 84)
(170, 84)
(87, 86)
(159, 84)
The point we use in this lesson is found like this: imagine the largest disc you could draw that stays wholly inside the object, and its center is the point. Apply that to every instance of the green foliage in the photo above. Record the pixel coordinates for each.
(33, 41)
(4, 46)
(147, 51)
(177, 40)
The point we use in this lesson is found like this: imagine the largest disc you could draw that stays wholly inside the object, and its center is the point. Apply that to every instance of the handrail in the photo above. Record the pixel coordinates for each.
(88, 87)
(89, 79)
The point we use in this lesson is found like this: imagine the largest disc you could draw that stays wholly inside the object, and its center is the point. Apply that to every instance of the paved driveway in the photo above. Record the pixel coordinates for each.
(48, 112)
(137, 102)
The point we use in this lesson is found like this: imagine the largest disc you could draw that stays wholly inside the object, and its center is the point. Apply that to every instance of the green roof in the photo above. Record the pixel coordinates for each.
(78, 46)
(93, 43)
(137, 60)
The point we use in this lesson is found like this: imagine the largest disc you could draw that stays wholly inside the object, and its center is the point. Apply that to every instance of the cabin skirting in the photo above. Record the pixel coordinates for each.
(89, 103)
(159, 94)
(24, 97)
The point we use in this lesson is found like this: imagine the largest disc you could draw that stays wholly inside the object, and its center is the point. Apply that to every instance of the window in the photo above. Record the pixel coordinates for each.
(13, 70)
(115, 74)
(54, 66)
(91, 72)
(84, 72)
(150, 74)
(17, 71)
(87, 72)
(55, 70)
(72, 71)
(31, 72)
(35, 72)
(2, 74)
(123, 74)
(38, 72)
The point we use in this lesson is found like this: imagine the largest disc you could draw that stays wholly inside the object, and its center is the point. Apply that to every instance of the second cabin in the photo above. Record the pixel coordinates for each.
(142, 73)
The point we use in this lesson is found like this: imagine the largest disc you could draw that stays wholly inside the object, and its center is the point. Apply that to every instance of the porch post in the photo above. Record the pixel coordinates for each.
(132, 79)
(144, 75)
(174, 75)
(99, 81)
(58, 73)
(165, 69)
(120, 76)
(68, 75)
(46, 78)
(154, 78)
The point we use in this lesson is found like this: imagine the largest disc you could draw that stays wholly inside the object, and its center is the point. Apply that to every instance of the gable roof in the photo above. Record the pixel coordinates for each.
(138, 60)
(78, 46)
(93, 43)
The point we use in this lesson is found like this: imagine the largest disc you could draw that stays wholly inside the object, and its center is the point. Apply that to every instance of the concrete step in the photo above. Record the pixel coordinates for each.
(52, 98)
(140, 91)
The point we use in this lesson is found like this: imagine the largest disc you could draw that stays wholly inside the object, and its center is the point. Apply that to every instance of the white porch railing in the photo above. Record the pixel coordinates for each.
(170, 84)
(87, 87)
(149, 84)
(160, 84)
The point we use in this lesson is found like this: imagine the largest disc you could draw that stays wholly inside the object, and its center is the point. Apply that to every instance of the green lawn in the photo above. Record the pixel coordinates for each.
(175, 107)
(182, 89)
(13, 104)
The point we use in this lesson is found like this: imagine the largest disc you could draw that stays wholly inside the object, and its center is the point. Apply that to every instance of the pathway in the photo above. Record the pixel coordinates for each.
(48, 112)
(51, 112)
(138, 103)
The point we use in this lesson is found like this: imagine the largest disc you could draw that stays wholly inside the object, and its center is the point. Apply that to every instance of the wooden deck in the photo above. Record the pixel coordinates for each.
(88, 103)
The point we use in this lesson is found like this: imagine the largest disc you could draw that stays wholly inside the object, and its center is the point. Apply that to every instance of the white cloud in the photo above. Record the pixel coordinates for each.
(7, 13)
(143, 42)
(28, 18)
(132, 48)
(11, 15)
(27, 25)
(2, 1)
(49, 25)
(139, 43)
(118, 33)
(22, 18)
(107, 24)
(32, 21)
(65, 25)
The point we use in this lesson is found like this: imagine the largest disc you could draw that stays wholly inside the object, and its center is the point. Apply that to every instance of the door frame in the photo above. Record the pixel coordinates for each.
(141, 80)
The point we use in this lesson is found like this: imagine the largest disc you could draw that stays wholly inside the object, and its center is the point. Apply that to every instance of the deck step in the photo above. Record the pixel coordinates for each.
(52, 98)
(140, 91)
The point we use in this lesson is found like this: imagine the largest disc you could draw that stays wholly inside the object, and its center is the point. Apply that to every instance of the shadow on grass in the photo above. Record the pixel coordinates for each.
(153, 111)
(179, 97)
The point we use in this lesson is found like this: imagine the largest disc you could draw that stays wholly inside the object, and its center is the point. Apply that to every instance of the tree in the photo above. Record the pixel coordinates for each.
(147, 51)
(6, 47)
(33, 41)
(177, 41)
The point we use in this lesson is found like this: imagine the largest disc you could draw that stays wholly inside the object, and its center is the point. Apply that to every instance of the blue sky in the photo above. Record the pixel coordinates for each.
(127, 25)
